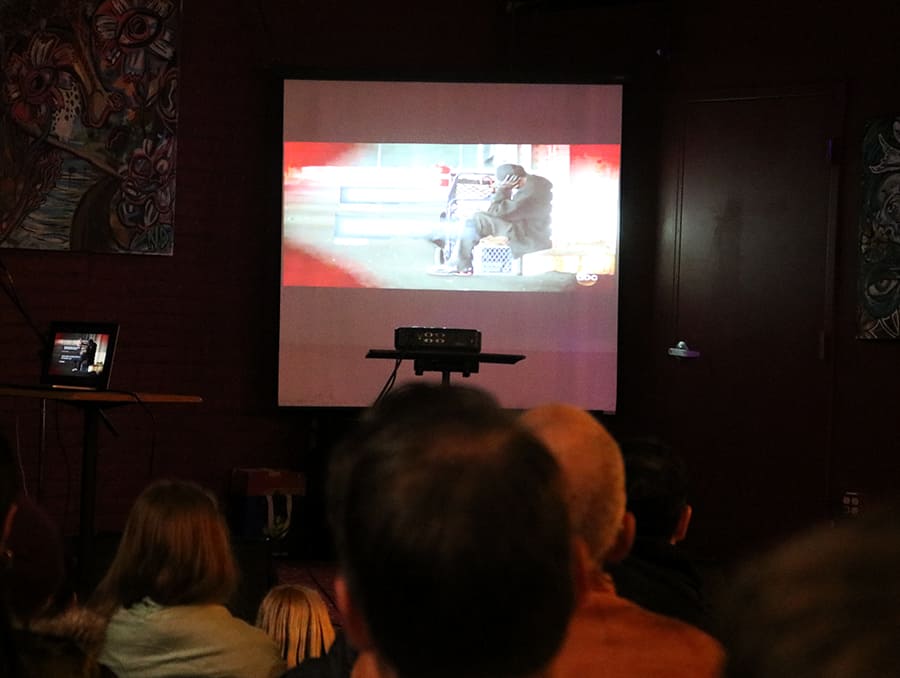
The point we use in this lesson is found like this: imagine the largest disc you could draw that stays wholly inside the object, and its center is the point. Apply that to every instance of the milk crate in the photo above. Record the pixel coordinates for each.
(494, 259)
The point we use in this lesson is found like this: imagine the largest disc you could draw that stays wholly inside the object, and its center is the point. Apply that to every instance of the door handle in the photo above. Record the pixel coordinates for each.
(682, 350)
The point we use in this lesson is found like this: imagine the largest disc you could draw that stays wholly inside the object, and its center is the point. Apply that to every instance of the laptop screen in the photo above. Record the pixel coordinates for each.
(80, 355)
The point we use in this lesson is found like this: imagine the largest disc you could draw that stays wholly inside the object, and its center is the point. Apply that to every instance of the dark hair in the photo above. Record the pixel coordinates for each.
(36, 569)
(9, 658)
(9, 477)
(825, 603)
(656, 482)
(175, 550)
(452, 534)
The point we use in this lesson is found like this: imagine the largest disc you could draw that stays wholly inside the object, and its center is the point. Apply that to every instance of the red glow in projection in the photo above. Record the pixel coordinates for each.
(602, 158)
(298, 155)
(361, 214)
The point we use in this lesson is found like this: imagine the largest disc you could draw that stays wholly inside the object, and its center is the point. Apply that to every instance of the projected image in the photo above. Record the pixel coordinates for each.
(491, 206)
(500, 217)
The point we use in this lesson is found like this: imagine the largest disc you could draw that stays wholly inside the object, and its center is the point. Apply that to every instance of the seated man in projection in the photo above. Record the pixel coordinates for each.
(88, 354)
(519, 211)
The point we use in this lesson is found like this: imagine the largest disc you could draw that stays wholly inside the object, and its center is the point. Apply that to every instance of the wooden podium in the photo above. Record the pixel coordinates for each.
(91, 403)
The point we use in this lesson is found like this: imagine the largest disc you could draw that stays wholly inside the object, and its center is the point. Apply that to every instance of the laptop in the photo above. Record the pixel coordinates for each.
(80, 355)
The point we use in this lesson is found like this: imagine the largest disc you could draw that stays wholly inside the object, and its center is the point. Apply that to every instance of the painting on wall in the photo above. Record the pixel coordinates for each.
(88, 120)
(879, 233)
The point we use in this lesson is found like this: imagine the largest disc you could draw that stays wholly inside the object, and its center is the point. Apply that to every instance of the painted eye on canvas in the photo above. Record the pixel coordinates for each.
(139, 29)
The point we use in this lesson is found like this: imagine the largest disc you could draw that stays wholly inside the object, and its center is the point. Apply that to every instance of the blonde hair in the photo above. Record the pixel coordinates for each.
(296, 618)
(593, 468)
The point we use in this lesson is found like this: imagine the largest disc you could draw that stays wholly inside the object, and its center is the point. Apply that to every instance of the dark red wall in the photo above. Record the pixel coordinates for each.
(204, 321)
(723, 46)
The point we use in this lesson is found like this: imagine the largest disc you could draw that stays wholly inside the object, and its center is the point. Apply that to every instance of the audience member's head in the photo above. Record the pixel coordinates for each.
(823, 605)
(656, 481)
(9, 480)
(174, 550)
(42, 631)
(296, 618)
(595, 477)
(9, 660)
(9, 492)
(32, 553)
(36, 566)
(452, 537)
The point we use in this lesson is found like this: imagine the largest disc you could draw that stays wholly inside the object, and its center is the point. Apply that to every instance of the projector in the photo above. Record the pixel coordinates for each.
(436, 339)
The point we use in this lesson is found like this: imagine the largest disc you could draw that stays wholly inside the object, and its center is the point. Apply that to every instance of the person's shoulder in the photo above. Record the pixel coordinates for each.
(336, 663)
(214, 615)
(689, 637)
(179, 620)
(539, 183)
(628, 615)
(81, 625)
(63, 645)
(616, 631)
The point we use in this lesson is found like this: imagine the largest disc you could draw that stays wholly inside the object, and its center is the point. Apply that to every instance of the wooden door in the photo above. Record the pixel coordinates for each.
(745, 280)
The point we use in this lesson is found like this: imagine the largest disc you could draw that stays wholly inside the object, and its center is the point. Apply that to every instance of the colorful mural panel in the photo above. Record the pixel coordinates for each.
(88, 120)
(879, 238)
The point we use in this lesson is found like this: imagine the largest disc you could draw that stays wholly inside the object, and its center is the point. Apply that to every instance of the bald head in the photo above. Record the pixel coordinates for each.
(594, 471)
